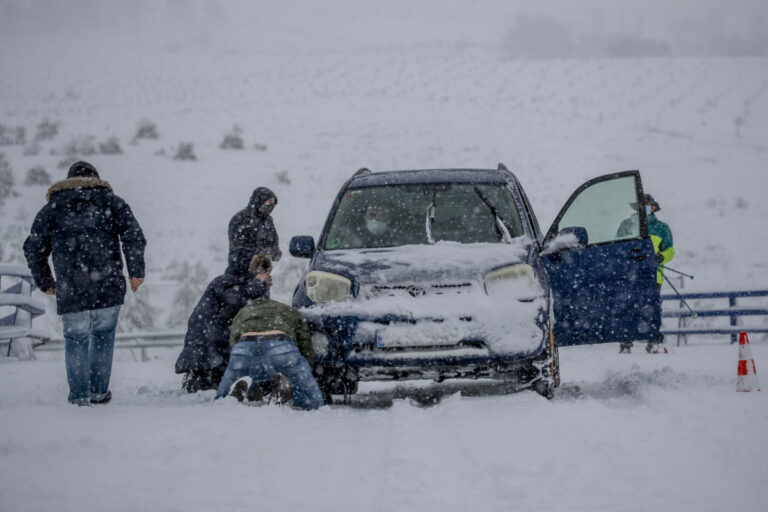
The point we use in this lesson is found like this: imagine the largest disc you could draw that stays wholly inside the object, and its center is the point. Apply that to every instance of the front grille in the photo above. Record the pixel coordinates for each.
(419, 290)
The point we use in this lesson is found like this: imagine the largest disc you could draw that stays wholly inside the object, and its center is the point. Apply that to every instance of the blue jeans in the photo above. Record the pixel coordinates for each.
(260, 360)
(89, 338)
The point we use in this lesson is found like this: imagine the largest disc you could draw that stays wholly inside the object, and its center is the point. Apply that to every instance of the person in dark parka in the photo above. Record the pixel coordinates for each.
(253, 228)
(206, 344)
(82, 227)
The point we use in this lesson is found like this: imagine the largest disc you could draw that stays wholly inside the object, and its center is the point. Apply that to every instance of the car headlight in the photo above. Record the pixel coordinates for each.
(518, 281)
(319, 344)
(327, 287)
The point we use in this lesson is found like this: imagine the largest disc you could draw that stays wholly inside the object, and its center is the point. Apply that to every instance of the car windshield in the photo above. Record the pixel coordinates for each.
(393, 215)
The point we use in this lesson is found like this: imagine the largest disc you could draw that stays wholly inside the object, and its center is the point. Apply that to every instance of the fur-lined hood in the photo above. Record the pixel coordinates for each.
(73, 183)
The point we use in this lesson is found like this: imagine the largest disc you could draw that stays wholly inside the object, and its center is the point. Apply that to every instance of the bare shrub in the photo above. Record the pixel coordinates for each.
(146, 130)
(37, 176)
(82, 145)
(192, 279)
(282, 177)
(233, 140)
(12, 238)
(111, 146)
(185, 151)
(47, 130)
(32, 149)
(6, 179)
(138, 313)
(67, 162)
(12, 136)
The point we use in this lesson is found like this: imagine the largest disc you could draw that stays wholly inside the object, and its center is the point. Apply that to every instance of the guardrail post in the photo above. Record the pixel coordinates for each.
(682, 321)
(733, 318)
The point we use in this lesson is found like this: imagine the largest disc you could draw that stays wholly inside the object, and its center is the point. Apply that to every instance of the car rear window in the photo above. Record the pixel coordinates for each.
(394, 215)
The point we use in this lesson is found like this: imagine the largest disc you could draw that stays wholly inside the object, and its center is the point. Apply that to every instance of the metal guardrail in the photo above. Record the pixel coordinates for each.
(142, 341)
(734, 312)
(18, 309)
(139, 341)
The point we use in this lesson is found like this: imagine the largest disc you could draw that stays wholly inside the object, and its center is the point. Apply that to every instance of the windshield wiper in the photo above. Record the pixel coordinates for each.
(501, 226)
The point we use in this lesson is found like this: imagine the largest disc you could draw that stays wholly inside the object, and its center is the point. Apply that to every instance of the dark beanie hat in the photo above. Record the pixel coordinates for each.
(82, 170)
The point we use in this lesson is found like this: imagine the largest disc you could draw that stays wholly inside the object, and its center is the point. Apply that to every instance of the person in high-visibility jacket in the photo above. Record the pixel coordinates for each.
(661, 236)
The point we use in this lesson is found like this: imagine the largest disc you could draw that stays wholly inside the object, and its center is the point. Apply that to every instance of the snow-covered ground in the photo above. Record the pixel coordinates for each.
(639, 432)
(319, 92)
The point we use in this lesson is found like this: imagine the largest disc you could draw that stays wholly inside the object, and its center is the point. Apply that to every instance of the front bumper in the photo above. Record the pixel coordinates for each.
(400, 347)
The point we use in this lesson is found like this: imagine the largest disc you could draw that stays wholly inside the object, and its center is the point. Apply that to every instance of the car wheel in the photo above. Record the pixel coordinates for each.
(543, 374)
(337, 381)
(545, 388)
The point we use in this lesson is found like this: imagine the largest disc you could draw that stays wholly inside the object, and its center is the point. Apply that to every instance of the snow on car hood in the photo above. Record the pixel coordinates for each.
(449, 278)
(440, 262)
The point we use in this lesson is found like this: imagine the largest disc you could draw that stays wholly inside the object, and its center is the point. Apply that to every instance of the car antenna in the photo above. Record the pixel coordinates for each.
(362, 170)
(502, 167)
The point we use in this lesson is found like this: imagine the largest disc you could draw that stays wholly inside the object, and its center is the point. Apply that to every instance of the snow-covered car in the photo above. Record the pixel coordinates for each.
(435, 274)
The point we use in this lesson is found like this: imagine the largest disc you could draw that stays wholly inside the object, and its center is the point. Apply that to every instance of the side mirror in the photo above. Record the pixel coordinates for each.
(571, 237)
(302, 246)
(582, 239)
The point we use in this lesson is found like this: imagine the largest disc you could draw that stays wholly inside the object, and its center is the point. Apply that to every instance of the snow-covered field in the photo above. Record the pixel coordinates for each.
(319, 92)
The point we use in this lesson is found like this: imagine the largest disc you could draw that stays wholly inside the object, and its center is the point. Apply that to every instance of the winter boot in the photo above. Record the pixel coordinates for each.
(625, 348)
(239, 389)
(103, 400)
(654, 346)
(281, 391)
(197, 380)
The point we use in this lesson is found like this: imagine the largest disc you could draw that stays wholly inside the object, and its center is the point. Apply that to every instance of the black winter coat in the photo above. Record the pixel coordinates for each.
(251, 229)
(206, 344)
(82, 227)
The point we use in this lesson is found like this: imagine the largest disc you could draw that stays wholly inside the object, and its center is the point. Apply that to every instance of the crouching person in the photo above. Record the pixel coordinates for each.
(206, 343)
(271, 343)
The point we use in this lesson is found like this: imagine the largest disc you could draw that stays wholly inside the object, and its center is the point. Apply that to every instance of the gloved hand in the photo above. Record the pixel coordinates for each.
(659, 258)
(275, 253)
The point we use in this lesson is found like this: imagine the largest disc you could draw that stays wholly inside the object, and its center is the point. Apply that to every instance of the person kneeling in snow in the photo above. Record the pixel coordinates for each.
(272, 355)
(206, 343)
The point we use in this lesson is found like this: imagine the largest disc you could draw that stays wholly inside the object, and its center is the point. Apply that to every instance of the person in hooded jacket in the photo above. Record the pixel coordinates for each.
(82, 227)
(253, 228)
(206, 344)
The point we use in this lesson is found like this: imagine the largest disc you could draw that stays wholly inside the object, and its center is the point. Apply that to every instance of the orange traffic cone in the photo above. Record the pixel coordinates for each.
(746, 379)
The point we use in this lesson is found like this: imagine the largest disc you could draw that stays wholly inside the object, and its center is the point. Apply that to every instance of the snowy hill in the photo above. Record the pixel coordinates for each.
(319, 92)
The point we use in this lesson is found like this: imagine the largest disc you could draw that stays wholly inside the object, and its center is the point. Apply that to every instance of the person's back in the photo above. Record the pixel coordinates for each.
(263, 315)
(84, 223)
(271, 339)
(83, 227)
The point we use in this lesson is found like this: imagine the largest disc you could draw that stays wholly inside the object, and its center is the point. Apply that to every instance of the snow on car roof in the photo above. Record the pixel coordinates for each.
(375, 179)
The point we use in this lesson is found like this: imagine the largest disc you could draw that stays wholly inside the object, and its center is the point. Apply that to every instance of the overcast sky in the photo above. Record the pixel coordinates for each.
(557, 28)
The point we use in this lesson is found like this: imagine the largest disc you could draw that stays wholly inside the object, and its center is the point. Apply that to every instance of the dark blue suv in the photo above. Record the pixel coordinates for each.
(435, 274)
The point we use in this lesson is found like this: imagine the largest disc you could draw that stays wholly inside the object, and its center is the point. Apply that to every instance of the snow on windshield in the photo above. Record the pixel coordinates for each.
(394, 215)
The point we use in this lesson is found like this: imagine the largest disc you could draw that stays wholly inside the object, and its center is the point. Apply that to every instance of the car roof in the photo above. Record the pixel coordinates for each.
(365, 178)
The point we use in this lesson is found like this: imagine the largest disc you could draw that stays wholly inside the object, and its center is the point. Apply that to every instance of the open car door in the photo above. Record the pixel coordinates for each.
(601, 264)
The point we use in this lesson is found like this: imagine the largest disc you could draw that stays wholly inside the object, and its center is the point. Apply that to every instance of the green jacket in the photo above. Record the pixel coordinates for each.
(268, 315)
(661, 236)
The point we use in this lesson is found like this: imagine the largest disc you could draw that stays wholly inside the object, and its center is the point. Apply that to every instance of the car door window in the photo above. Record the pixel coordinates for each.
(604, 290)
(607, 210)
